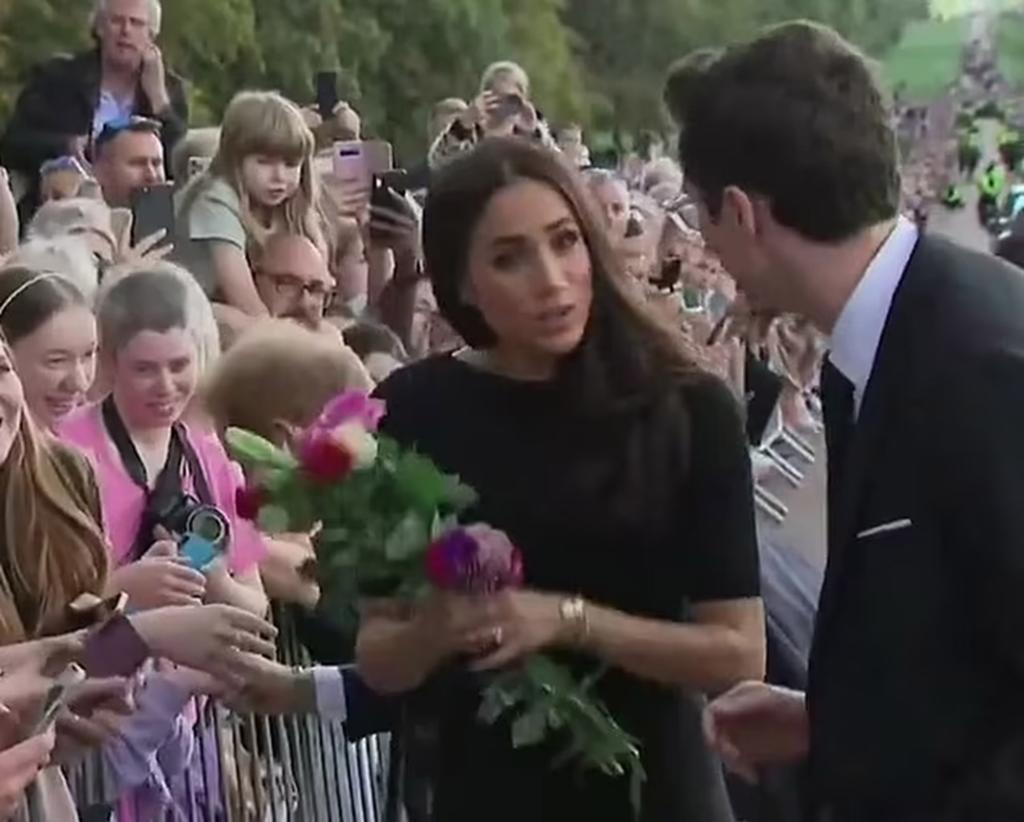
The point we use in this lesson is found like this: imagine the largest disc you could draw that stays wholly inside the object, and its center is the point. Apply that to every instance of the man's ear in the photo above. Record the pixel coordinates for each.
(740, 210)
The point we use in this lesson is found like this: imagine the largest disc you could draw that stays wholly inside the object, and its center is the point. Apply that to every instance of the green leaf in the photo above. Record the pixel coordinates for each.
(273, 519)
(530, 728)
(408, 540)
(255, 450)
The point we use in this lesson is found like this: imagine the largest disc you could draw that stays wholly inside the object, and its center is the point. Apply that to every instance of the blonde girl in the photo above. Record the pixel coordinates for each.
(260, 182)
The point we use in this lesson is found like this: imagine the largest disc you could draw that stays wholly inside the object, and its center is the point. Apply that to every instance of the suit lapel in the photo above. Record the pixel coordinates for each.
(890, 363)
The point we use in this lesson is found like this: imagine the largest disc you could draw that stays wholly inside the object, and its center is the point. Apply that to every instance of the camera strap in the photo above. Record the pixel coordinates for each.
(168, 483)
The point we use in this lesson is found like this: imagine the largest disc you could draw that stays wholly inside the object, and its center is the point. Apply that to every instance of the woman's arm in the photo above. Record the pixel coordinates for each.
(724, 645)
(394, 656)
(235, 279)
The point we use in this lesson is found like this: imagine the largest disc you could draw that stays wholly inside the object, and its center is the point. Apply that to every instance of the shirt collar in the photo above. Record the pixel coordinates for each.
(858, 331)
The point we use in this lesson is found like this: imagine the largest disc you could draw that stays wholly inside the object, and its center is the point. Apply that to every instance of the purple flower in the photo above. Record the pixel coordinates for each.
(352, 406)
(474, 559)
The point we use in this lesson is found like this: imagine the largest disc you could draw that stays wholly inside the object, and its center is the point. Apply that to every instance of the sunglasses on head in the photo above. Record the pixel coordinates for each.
(112, 128)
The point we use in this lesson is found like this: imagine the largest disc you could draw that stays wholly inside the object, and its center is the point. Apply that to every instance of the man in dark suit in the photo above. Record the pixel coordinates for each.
(914, 708)
(68, 100)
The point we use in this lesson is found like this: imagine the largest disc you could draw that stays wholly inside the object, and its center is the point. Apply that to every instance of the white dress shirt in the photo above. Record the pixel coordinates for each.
(858, 331)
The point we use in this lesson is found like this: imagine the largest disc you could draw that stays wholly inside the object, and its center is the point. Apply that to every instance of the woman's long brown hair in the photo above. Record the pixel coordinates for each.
(628, 353)
(52, 538)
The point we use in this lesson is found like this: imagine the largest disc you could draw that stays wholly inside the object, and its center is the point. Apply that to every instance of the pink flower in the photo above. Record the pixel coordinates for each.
(352, 406)
(474, 559)
(249, 500)
(323, 458)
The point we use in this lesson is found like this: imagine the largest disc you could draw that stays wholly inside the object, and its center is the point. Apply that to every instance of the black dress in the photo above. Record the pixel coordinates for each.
(647, 512)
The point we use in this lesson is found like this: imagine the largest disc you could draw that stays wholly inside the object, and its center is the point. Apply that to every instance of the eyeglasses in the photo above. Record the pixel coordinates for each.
(132, 122)
(292, 287)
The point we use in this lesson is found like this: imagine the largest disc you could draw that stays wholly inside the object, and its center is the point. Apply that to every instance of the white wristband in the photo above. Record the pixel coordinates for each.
(329, 685)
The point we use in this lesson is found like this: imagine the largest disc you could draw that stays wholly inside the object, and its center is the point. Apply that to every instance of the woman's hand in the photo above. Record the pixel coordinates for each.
(161, 578)
(518, 623)
(19, 766)
(94, 714)
(210, 638)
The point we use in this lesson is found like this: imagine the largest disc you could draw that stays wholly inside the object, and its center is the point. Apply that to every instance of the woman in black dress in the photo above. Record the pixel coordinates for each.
(616, 465)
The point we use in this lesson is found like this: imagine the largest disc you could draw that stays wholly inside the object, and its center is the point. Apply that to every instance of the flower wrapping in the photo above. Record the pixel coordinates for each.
(386, 524)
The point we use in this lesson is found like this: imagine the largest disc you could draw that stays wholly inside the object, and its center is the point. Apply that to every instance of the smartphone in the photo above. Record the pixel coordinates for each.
(114, 649)
(356, 162)
(153, 210)
(326, 85)
(508, 107)
(88, 609)
(57, 697)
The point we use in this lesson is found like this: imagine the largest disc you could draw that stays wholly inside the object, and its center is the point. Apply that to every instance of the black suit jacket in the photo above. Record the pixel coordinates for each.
(916, 682)
(58, 103)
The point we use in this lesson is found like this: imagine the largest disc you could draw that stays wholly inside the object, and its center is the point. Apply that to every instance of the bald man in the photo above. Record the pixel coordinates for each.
(293, 280)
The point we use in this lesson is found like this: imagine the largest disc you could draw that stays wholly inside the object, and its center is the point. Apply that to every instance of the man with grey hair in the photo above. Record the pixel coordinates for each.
(69, 101)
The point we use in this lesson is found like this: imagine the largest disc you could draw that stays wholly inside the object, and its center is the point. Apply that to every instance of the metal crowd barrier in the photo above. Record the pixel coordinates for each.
(254, 768)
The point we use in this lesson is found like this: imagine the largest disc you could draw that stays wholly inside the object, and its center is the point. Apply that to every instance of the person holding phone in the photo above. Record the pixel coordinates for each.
(503, 108)
(69, 100)
(128, 156)
(260, 183)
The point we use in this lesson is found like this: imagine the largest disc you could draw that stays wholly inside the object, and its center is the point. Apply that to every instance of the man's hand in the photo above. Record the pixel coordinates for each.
(754, 725)
(154, 80)
(273, 688)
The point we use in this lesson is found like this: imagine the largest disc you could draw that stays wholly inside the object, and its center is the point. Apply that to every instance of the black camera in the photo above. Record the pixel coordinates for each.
(187, 517)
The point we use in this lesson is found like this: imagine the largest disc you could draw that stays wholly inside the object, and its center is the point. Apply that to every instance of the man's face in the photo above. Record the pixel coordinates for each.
(124, 32)
(732, 238)
(130, 161)
(294, 284)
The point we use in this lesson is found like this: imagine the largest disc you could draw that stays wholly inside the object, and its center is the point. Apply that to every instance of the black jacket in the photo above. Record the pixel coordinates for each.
(59, 102)
(916, 682)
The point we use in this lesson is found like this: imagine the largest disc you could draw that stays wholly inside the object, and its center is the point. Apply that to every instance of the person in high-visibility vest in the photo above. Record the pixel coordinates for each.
(990, 189)
(953, 197)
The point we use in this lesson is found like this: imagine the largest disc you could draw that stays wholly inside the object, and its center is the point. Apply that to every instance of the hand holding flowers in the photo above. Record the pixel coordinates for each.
(387, 532)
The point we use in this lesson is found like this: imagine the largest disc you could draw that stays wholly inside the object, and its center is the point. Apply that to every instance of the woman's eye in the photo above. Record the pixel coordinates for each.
(566, 240)
(505, 260)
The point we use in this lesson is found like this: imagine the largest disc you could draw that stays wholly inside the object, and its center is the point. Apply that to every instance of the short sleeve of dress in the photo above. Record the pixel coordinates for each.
(722, 561)
(215, 215)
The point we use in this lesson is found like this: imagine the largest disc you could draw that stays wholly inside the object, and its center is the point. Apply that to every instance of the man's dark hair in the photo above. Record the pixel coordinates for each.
(796, 116)
(683, 77)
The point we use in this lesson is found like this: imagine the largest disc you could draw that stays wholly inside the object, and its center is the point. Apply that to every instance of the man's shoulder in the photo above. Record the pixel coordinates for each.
(66, 67)
(963, 290)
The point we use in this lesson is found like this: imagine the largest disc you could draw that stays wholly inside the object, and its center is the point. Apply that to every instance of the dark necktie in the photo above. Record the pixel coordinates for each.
(838, 407)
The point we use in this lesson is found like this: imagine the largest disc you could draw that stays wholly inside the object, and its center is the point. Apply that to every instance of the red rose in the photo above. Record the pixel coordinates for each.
(249, 501)
(325, 460)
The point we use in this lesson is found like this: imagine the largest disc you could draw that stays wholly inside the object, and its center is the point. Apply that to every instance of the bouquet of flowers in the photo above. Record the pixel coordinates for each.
(386, 523)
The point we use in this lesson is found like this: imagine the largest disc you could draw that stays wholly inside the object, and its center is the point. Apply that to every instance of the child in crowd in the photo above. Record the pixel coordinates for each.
(260, 182)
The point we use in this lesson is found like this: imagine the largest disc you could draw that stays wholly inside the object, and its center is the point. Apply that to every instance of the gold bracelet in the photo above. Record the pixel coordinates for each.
(573, 611)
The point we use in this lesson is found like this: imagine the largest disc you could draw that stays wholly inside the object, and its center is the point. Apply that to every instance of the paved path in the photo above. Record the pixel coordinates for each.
(962, 225)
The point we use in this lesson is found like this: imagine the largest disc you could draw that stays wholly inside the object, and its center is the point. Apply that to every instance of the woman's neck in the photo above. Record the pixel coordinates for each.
(515, 365)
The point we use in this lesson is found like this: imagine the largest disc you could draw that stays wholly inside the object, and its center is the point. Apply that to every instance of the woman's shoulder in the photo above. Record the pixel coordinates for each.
(416, 380)
(83, 427)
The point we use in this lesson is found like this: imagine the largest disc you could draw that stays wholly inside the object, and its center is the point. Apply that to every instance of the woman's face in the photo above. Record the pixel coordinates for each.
(530, 273)
(270, 181)
(613, 196)
(57, 364)
(12, 401)
(155, 376)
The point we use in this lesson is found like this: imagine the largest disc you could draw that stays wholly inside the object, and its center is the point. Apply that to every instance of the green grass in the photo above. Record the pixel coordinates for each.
(927, 58)
(1010, 41)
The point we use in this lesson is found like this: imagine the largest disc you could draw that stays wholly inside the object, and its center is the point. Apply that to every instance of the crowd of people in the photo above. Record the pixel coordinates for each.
(567, 338)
